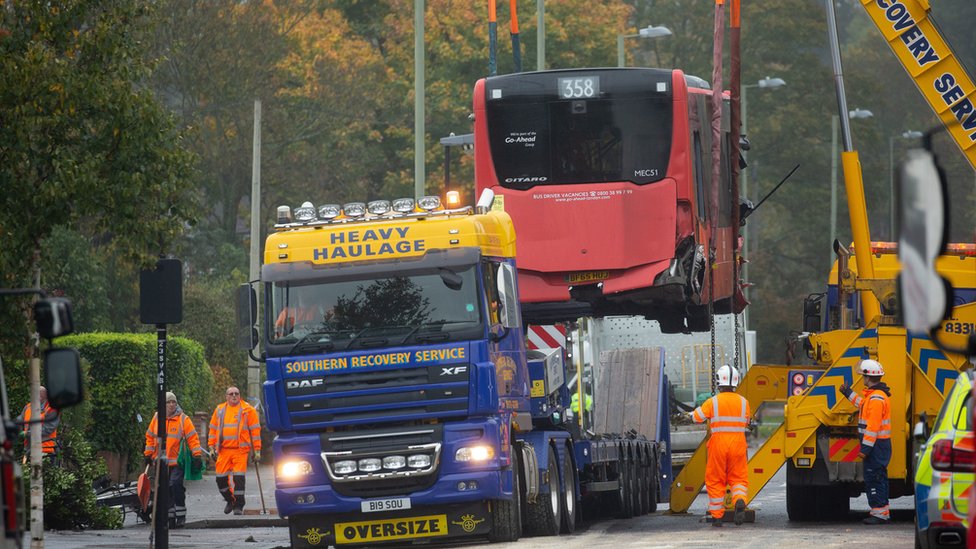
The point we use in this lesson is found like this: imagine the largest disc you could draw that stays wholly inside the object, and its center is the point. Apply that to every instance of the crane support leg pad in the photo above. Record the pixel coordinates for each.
(730, 514)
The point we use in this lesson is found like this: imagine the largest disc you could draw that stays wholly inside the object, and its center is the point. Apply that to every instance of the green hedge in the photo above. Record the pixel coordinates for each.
(121, 386)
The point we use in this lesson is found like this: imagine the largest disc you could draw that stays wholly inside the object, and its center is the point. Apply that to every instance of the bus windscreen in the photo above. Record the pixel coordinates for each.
(544, 135)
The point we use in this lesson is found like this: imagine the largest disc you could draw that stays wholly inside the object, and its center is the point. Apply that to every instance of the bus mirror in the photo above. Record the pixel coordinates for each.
(511, 314)
(247, 315)
(62, 374)
(922, 238)
(53, 317)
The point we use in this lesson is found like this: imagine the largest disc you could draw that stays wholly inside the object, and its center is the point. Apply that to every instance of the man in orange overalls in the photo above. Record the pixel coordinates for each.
(874, 425)
(728, 419)
(234, 431)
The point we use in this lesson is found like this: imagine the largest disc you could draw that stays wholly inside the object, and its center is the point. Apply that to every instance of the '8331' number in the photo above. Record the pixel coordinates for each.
(963, 328)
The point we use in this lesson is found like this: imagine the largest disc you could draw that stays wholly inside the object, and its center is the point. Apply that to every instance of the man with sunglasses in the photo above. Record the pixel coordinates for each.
(234, 432)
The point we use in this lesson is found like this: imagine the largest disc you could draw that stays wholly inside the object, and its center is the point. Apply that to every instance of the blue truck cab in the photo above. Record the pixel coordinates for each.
(396, 372)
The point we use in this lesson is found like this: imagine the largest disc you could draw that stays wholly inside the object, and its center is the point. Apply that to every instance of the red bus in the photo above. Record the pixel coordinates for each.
(607, 174)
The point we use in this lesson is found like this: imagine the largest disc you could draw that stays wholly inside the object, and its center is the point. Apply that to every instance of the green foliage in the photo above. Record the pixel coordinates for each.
(84, 143)
(69, 501)
(72, 268)
(121, 389)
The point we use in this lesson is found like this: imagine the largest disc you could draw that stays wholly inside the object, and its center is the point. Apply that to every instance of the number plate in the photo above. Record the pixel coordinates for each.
(588, 276)
(392, 504)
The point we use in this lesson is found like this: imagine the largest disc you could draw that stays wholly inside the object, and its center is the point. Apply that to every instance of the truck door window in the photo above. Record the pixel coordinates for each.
(490, 270)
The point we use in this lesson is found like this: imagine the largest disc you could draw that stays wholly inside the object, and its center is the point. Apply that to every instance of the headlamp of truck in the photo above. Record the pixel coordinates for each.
(429, 203)
(474, 453)
(329, 211)
(419, 461)
(370, 465)
(305, 212)
(292, 470)
(394, 462)
(403, 205)
(354, 209)
(379, 207)
(344, 467)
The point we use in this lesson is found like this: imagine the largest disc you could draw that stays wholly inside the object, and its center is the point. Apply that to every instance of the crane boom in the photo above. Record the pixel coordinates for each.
(920, 47)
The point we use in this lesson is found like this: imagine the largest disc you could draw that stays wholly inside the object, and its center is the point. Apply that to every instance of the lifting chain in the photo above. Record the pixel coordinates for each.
(711, 314)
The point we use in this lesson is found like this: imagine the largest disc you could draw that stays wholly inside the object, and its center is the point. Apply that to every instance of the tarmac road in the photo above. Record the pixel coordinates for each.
(208, 527)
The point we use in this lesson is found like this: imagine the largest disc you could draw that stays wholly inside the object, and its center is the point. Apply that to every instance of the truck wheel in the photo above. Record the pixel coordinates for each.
(799, 503)
(570, 507)
(506, 515)
(640, 488)
(832, 503)
(626, 489)
(545, 514)
(649, 493)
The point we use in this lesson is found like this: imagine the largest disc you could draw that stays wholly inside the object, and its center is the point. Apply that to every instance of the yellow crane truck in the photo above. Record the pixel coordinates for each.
(818, 439)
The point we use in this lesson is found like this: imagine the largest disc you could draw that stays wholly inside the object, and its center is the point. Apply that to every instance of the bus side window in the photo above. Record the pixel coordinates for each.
(490, 270)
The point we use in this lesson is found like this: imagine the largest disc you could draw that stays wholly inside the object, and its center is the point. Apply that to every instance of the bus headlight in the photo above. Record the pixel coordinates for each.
(291, 470)
(474, 453)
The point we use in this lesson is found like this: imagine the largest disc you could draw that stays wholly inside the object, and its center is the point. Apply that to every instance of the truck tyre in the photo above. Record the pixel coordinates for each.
(640, 483)
(650, 485)
(506, 515)
(799, 504)
(546, 513)
(570, 504)
(625, 489)
(832, 502)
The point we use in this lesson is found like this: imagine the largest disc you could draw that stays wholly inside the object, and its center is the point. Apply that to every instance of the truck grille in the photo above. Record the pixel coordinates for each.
(414, 393)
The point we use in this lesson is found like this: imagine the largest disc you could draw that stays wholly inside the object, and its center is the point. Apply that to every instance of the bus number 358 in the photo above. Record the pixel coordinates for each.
(576, 88)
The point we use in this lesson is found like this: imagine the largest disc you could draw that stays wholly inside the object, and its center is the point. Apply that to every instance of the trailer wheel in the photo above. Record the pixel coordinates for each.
(506, 515)
(833, 502)
(546, 513)
(570, 507)
(625, 489)
(650, 491)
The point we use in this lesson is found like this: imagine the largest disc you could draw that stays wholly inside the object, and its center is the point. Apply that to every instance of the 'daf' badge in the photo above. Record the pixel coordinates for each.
(468, 523)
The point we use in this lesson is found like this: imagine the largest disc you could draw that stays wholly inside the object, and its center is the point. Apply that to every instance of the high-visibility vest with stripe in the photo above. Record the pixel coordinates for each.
(874, 421)
(49, 427)
(727, 413)
(178, 427)
(235, 427)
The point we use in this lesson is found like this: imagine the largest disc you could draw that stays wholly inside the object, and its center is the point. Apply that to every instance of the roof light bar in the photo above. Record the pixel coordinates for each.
(429, 203)
(305, 212)
(354, 209)
(329, 211)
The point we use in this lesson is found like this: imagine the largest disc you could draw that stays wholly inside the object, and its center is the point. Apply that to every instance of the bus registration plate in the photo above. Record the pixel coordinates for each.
(391, 504)
(587, 276)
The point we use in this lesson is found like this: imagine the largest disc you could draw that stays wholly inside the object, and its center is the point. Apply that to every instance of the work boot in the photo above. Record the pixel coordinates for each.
(238, 511)
(740, 512)
(229, 507)
(716, 522)
(876, 520)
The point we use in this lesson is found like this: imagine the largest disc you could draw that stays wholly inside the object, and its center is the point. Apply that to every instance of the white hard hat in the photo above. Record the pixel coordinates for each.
(727, 376)
(870, 367)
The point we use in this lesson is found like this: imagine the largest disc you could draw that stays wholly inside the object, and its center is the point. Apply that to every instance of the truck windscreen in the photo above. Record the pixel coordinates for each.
(437, 305)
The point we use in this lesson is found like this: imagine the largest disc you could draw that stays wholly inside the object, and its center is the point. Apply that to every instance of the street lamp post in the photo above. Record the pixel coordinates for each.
(768, 82)
(834, 128)
(649, 31)
(910, 134)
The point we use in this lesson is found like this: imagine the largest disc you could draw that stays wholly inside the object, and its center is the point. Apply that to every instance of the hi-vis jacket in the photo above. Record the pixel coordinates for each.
(178, 427)
(235, 427)
(50, 419)
(874, 422)
(727, 413)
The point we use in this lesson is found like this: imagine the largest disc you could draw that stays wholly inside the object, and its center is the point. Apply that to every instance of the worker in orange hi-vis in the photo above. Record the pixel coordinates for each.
(234, 432)
(728, 419)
